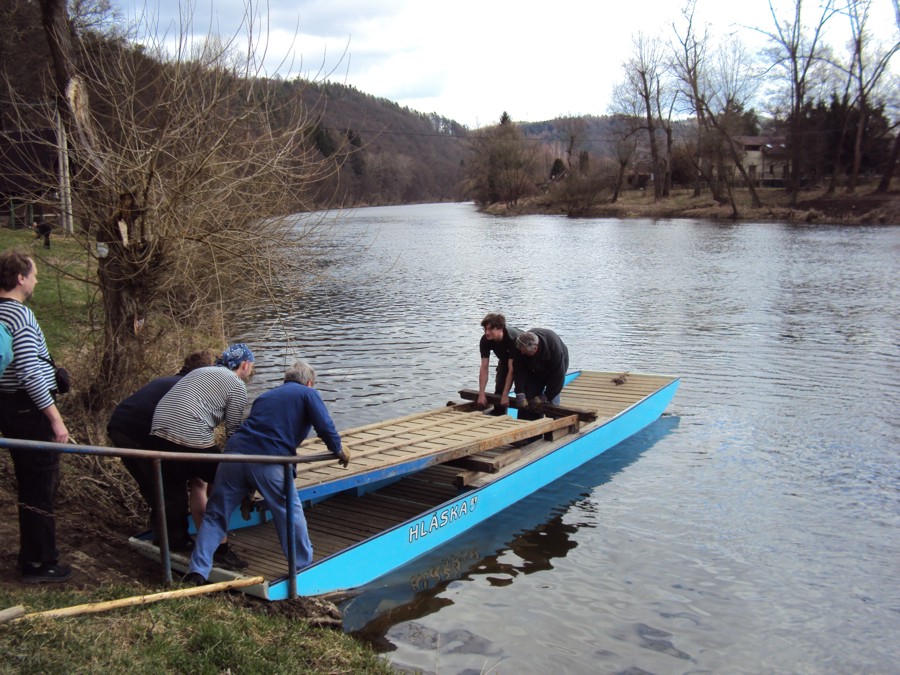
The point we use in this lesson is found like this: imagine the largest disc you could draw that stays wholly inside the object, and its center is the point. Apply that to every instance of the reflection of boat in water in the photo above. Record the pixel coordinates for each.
(419, 481)
(533, 529)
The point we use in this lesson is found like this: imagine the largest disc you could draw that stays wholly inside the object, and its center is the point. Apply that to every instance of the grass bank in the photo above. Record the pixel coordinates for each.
(214, 634)
(97, 509)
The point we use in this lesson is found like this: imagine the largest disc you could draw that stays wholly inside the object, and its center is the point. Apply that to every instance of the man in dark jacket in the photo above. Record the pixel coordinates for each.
(540, 369)
(129, 427)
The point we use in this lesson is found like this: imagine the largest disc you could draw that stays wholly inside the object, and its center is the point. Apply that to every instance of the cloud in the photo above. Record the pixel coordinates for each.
(469, 60)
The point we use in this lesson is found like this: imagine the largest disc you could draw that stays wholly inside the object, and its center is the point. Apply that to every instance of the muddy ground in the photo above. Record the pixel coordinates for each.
(92, 533)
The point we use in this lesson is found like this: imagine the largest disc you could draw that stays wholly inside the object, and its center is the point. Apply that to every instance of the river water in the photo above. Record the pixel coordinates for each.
(752, 529)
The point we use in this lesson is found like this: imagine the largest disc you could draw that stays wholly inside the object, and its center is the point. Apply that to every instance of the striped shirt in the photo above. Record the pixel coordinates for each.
(202, 400)
(29, 371)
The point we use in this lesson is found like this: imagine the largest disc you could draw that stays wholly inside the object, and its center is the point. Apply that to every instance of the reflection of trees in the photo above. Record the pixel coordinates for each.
(536, 548)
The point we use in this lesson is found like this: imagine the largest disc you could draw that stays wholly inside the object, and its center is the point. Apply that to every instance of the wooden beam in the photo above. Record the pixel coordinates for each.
(94, 607)
(487, 463)
(548, 409)
(464, 477)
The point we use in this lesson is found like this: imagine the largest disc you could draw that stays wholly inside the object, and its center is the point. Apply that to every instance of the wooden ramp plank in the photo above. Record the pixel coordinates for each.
(456, 435)
(490, 462)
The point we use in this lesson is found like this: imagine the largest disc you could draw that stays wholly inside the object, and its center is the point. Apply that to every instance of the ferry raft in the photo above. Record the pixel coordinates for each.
(416, 482)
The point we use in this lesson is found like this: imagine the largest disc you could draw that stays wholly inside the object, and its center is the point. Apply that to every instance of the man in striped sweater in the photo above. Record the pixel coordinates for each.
(185, 420)
(28, 411)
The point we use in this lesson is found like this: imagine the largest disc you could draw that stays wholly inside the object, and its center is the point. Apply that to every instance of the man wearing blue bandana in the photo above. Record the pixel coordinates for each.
(185, 420)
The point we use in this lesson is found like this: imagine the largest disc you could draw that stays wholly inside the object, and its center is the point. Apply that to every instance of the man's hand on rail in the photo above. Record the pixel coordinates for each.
(344, 458)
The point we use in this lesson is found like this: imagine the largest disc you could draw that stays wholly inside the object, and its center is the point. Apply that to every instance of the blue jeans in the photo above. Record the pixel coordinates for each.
(233, 482)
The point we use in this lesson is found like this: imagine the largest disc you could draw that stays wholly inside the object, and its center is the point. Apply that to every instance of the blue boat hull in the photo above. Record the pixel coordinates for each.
(366, 561)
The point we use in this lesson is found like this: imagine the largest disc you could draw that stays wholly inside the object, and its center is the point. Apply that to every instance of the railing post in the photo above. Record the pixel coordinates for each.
(289, 497)
(162, 531)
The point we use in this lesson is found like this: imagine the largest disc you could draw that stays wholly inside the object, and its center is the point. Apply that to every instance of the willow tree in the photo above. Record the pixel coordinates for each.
(187, 163)
(501, 168)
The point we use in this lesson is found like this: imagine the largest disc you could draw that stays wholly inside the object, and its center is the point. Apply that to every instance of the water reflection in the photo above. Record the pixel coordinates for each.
(523, 539)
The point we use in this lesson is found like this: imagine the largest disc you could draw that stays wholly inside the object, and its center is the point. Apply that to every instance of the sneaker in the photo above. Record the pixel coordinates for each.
(193, 579)
(48, 573)
(227, 558)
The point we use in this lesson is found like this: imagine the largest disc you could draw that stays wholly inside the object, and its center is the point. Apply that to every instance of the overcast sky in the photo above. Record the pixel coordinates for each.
(469, 60)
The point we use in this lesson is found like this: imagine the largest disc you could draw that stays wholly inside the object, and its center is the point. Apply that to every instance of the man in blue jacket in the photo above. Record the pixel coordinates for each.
(279, 420)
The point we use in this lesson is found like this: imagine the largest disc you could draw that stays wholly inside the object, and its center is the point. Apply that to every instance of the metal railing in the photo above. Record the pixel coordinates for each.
(156, 457)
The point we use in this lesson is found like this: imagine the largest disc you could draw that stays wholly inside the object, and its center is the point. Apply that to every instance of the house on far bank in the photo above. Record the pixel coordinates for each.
(765, 159)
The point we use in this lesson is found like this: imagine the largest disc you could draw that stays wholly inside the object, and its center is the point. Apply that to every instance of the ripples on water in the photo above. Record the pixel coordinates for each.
(755, 530)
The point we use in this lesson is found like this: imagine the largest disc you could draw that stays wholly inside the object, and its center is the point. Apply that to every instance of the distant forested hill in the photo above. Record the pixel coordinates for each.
(398, 155)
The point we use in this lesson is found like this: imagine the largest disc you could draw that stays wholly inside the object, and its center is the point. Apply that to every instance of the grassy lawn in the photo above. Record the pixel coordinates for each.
(61, 299)
(219, 633)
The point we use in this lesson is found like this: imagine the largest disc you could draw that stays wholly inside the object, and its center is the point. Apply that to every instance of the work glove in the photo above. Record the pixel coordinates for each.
(521, 402)
(344, 458)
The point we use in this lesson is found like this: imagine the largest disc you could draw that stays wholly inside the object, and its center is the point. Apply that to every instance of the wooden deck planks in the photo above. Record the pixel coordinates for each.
(343, 521)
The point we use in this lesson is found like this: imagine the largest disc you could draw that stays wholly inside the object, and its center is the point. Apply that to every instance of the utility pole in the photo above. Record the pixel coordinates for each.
(65, 183)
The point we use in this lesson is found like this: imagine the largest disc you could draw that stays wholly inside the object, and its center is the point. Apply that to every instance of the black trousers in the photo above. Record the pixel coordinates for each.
(37, 478)
(499, 383)
(175, 476)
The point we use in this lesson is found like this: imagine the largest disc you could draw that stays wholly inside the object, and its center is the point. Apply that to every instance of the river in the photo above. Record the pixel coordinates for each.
(752, 529)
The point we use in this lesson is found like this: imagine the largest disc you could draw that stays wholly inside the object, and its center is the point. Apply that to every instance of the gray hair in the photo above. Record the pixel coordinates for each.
(527, 341)
(300, 372)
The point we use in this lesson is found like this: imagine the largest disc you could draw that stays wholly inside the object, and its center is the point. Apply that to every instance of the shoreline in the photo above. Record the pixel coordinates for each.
(813, 207)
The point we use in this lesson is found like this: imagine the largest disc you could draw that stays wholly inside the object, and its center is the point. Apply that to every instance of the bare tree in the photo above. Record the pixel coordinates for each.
(689, 65)
(796, 48)
(188, 168)
(572, 129)
(731, 87)
(639, 94)
(625, 148)
(885, 181)
(868, 65)
(718, 85)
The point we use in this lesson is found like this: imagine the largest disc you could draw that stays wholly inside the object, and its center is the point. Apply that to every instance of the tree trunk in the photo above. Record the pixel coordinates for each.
(123, 273)
(667, 179)
(858, 147)
(885, 181)
(620, 180)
